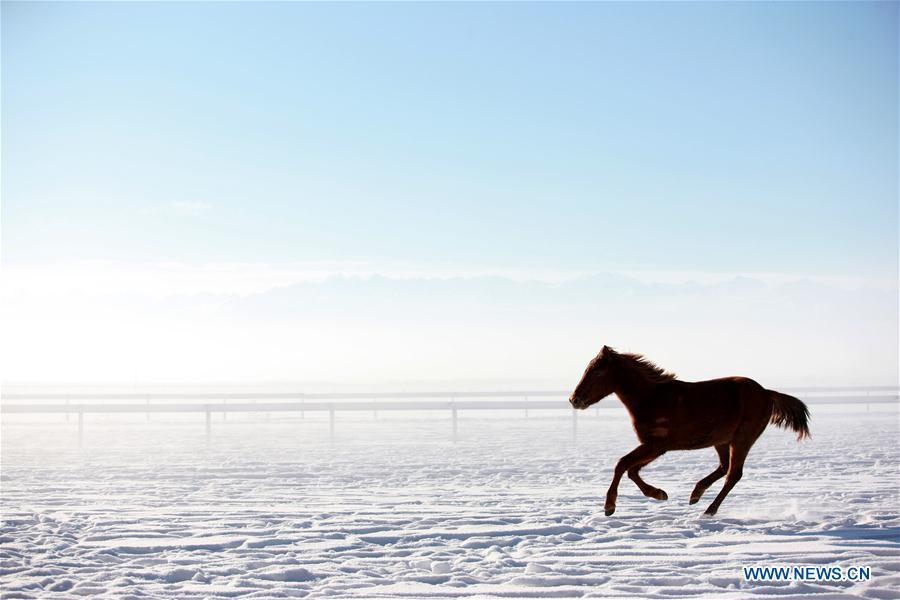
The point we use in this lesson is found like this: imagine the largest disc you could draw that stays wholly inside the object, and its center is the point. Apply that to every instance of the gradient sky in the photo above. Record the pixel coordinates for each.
(540, 139)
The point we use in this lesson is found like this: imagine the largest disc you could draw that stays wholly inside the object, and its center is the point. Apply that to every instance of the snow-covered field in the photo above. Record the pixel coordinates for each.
(270, 509)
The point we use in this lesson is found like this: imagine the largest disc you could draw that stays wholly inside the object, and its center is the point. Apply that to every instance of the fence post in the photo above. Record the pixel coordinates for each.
(67, 410)
(574, 426)
(375, 412)
(454, 421)
(80, 427)
(526, 407)
(331, 422)
(208, 422)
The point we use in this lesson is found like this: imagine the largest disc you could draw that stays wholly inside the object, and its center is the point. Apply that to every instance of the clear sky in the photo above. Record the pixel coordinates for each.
(172, 141)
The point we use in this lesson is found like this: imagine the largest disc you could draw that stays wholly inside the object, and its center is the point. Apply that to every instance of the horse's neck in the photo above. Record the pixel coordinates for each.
(631, 391)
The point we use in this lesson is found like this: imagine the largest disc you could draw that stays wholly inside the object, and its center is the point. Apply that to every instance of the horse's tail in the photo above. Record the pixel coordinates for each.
(790, 413)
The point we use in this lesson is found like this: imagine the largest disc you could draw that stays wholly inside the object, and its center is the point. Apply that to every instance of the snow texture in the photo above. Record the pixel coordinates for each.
(394, 509)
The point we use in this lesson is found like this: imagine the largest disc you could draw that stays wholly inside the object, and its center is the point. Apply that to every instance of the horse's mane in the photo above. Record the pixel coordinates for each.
(639, 366)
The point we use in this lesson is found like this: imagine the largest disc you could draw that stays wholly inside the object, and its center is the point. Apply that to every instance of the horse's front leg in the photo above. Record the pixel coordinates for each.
(646, 489)
(640, 455)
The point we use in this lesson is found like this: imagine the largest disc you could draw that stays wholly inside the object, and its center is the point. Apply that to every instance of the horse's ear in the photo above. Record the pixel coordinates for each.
(607, 351)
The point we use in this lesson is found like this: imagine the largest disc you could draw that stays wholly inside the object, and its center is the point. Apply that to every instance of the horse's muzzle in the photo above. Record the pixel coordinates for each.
(575, 401)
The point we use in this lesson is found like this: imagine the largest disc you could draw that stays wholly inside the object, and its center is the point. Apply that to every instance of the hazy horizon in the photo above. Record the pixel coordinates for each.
(353, 329)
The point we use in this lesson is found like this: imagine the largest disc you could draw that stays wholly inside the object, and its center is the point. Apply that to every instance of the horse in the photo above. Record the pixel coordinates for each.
(728, 414)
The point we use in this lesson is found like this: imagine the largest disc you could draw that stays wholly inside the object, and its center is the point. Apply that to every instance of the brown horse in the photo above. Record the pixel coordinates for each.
(667, 414)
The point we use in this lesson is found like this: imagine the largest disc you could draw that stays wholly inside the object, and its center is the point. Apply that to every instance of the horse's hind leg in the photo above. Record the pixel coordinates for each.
(647, 489)
(735, 470)
(703, 484)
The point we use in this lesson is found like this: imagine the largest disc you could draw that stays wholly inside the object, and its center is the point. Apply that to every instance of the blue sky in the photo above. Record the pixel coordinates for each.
(722, 137)
(184, 141)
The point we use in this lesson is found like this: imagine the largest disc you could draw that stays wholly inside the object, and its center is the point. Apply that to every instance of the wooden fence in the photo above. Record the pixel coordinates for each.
(207, 403)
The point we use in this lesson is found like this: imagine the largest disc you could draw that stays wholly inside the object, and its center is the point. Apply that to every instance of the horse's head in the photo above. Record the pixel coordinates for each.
(597, 382)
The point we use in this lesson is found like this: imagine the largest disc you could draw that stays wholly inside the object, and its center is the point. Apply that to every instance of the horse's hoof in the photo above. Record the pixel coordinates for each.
(661, 495)
(711, 512)
(609, 510)
(694, 500)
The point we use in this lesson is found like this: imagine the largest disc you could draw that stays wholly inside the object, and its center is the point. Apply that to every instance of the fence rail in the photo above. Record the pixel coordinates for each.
(208, 403)
(858, 391)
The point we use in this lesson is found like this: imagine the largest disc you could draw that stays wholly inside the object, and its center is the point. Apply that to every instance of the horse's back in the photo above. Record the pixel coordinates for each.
(706, 413)
(742, 395)
(736, 381)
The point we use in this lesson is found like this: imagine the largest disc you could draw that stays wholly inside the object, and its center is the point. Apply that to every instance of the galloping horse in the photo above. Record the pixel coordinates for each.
(667, 414)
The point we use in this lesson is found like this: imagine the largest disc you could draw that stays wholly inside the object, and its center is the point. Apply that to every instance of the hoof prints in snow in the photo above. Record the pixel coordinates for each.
(513, 510)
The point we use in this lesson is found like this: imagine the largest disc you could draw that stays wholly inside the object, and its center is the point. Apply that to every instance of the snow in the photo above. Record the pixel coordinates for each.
(394, 509)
